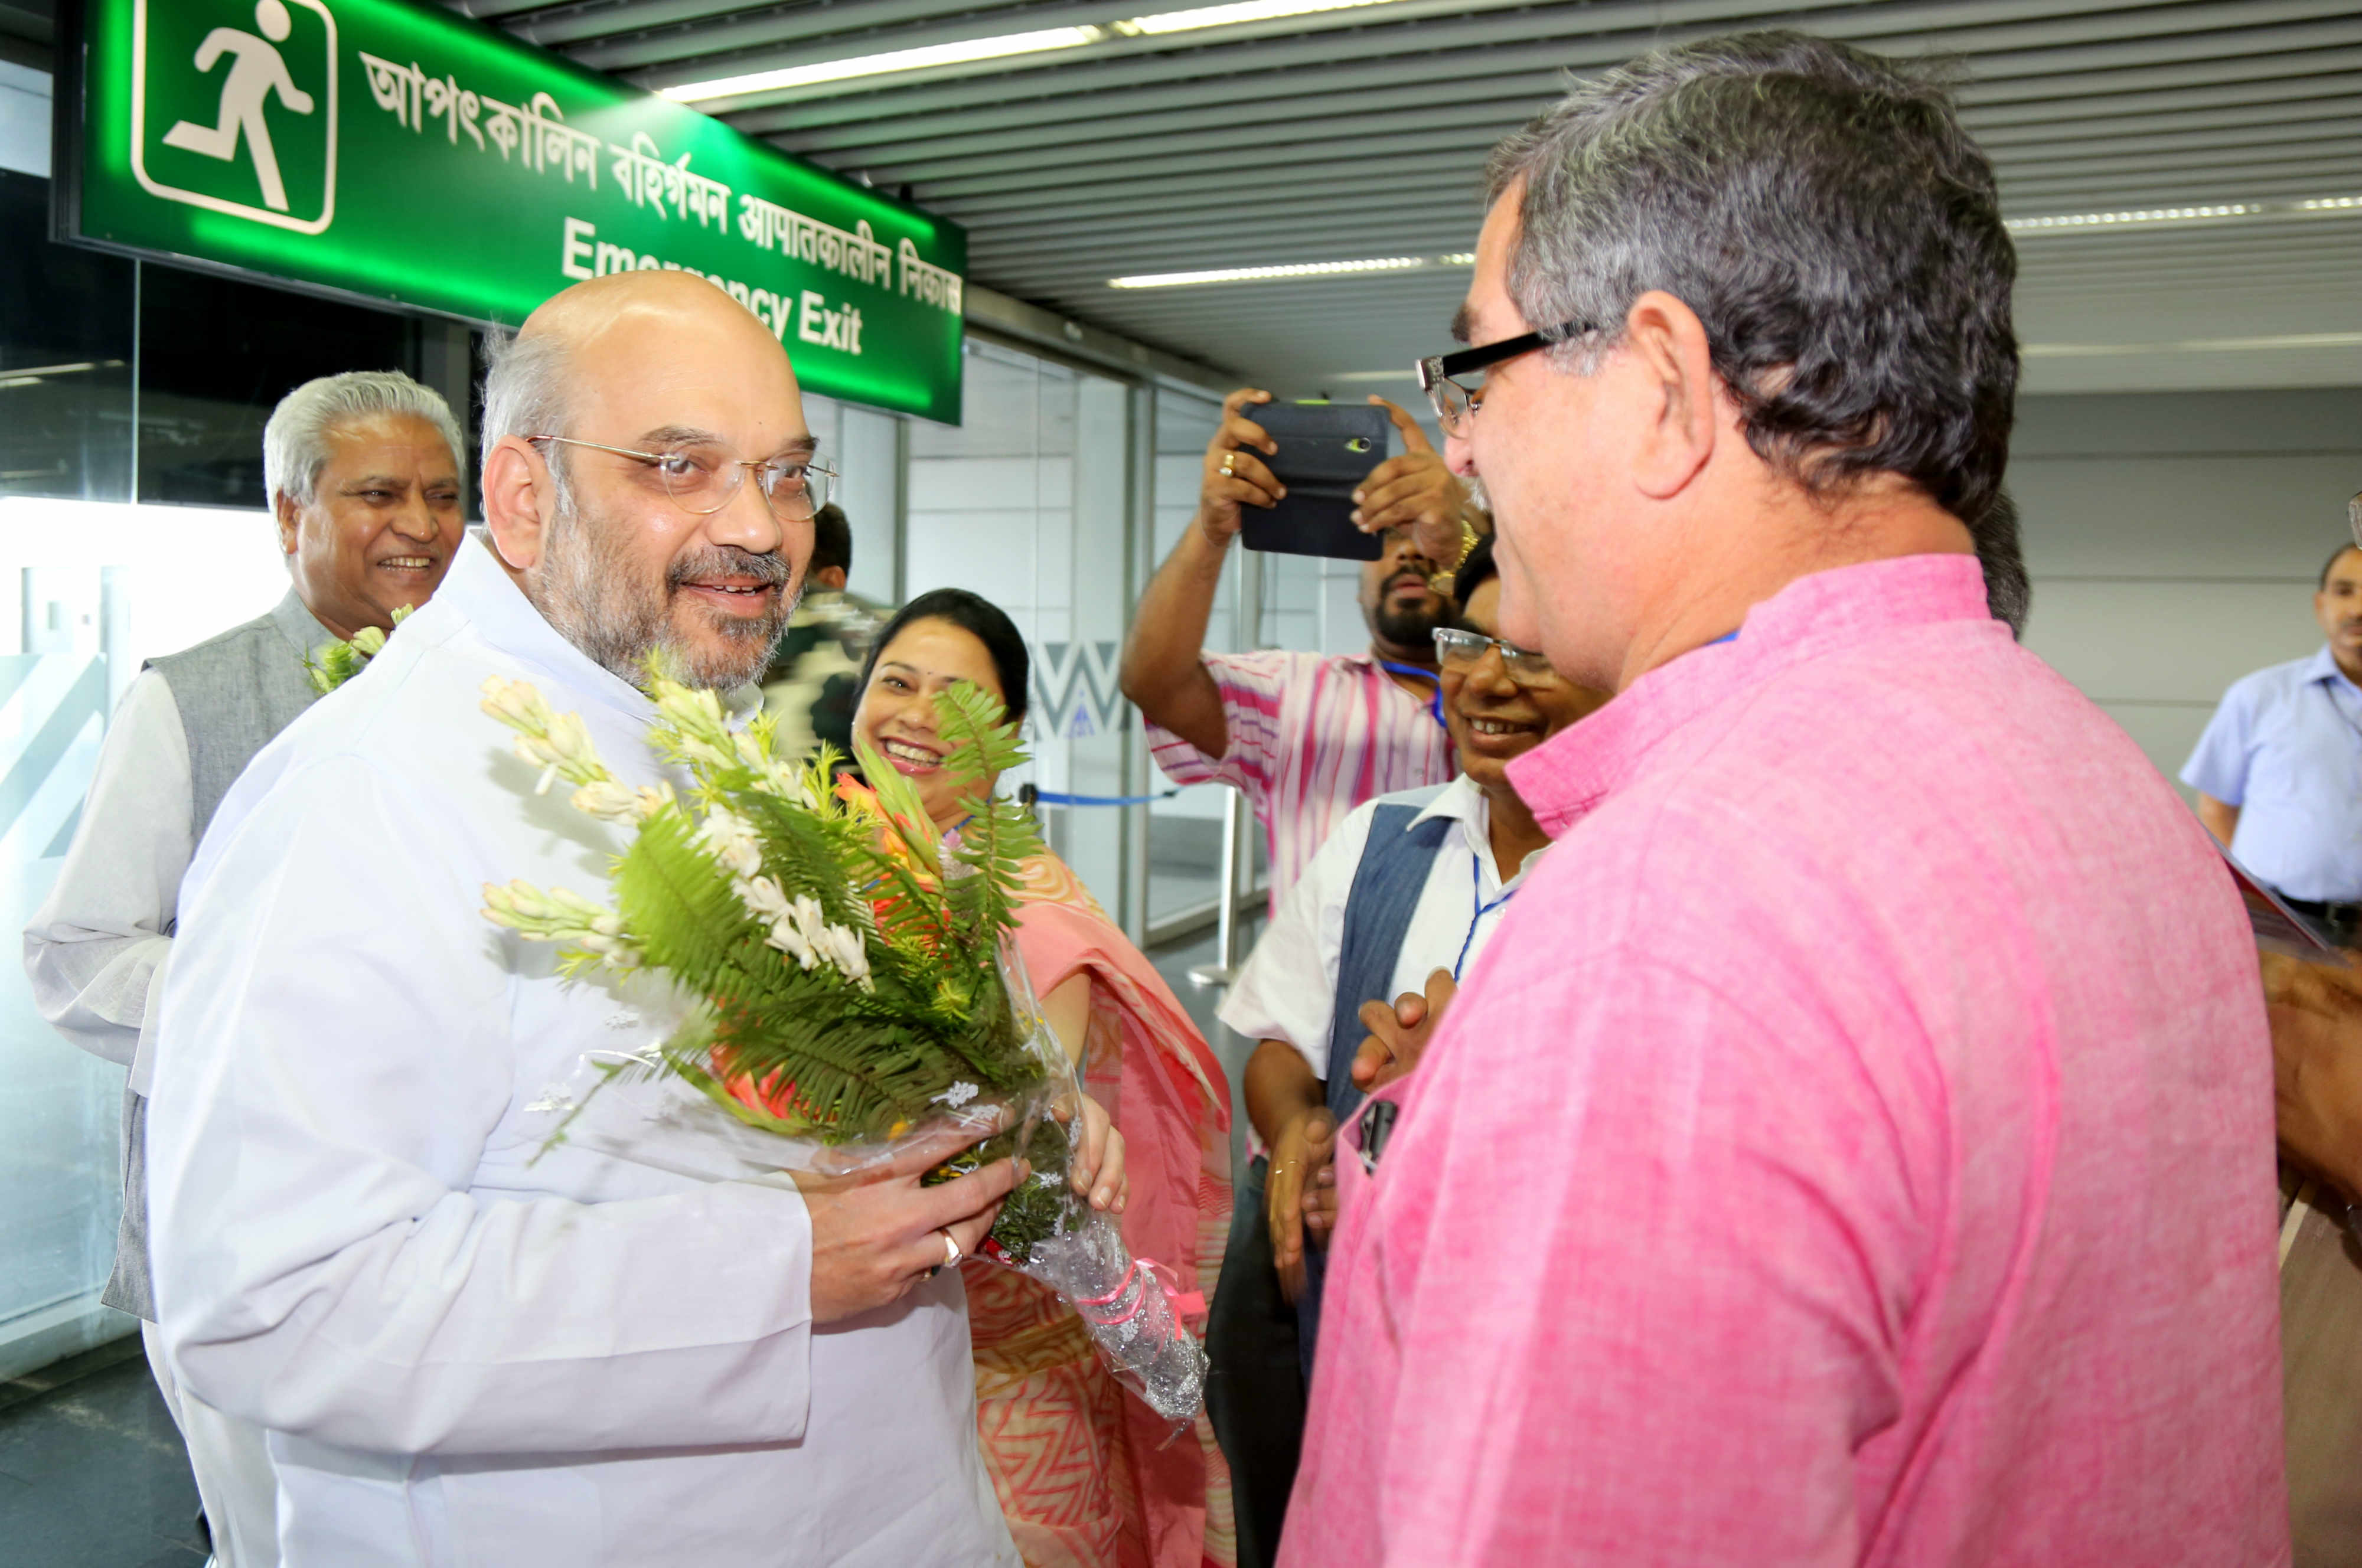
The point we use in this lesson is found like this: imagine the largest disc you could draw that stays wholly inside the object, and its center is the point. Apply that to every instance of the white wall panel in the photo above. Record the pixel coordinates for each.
(2213, 516)
(976, 483)
(2174, 541)
(2160, 642)
(869, 490)
(2168, 733)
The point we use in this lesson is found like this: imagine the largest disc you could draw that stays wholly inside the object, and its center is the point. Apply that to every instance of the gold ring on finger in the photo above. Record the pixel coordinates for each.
(951, 1254)
(1226, 467)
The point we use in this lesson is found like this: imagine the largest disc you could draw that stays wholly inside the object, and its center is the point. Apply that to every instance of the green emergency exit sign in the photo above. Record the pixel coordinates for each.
(399, 151)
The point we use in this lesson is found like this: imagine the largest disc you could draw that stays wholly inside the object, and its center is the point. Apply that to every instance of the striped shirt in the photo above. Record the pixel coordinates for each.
(1312, 736)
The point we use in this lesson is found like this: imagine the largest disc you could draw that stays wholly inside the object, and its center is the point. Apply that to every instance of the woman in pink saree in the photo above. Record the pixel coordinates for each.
(1088, 1476)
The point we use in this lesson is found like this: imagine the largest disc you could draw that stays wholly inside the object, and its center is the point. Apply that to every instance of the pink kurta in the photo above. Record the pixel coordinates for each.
(1855, 1148)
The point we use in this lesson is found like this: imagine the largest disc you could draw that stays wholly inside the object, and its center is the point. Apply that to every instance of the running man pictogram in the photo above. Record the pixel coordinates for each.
(254, 75)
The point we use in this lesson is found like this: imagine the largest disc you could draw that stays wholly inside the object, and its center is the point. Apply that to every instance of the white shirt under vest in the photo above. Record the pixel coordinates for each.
(468, 1350)
(1287, 989)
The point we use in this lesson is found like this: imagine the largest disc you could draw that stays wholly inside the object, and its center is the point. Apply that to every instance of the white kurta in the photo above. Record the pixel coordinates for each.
(101, 936)
(468, 1351)
(94, 952)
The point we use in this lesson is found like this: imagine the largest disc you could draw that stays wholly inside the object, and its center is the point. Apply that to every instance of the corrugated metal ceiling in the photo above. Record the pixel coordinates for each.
(1359, 133)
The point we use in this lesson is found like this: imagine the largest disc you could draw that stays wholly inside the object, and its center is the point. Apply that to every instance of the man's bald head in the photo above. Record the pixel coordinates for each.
(620, 429)
(585, 335)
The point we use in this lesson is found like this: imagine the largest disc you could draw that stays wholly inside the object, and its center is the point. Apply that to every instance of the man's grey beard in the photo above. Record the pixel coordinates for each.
(584, 586)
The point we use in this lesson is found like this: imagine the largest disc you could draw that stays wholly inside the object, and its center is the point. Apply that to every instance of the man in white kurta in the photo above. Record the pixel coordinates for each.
(471, 1347)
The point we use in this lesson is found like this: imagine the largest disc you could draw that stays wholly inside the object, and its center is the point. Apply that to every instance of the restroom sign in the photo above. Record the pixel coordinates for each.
(234, 108)
(399, 151)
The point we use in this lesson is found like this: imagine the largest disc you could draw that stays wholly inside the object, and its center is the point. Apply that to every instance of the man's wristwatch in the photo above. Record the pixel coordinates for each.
(1441, 582)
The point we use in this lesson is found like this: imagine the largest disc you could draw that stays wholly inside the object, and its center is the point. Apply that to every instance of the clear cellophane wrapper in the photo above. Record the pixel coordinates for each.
(615, 1104)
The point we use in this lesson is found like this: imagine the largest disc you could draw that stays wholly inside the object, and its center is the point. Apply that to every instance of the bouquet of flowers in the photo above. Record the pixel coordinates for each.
(340, 661)
(851, 978)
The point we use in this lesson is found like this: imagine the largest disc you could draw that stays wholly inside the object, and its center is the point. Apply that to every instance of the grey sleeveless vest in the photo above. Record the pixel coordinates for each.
(235, 692)
(1386, 889)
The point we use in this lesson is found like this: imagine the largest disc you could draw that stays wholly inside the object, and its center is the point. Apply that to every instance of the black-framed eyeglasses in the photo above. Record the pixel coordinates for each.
(702, 478)
(1457, 649)
(1455, 404)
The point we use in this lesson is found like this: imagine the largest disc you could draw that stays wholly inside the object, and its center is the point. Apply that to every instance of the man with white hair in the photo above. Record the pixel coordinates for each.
(363, 475)
(1856, 1145)
(470, 1345)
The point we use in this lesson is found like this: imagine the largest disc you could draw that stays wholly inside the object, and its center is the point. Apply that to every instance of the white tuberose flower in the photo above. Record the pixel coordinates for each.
(850, 955)
(804, 935)
(796, 932)
(732, 839)
(763, 896)
(557, 743)
(555, 914)
(610, 800)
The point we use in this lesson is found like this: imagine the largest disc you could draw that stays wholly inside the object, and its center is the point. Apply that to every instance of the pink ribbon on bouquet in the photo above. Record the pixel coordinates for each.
(1187, 1304)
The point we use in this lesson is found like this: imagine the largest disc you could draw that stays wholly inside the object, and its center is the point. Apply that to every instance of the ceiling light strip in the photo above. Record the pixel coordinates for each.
(924, 58)
(1008, 45)
(2291, 341)
(2143, 216)
(1263, 274)
(1234, 16)
(1284, 270)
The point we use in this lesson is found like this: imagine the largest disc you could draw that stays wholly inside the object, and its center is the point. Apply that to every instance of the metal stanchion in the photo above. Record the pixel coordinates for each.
(1226, 914)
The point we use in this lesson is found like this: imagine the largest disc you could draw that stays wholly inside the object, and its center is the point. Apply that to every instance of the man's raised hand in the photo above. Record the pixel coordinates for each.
(1235, 476)
(1398, 1034)
(1416, 491)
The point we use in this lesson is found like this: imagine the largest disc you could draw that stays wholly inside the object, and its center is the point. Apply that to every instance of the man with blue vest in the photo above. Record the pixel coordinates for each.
(1401, 899)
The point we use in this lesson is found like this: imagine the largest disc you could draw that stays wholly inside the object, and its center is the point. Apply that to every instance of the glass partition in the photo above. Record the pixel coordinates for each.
(1185, 833)
(1023, 502)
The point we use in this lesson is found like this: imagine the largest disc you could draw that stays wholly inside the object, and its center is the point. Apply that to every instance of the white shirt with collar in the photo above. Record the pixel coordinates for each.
(1288, 986)
(470, 1348)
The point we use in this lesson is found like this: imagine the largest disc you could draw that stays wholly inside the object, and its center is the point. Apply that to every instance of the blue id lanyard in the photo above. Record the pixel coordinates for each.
(1476, 903)
(1434, 704)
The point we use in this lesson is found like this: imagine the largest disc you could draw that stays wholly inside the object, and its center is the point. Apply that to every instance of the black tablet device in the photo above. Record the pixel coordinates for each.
(1326, 450)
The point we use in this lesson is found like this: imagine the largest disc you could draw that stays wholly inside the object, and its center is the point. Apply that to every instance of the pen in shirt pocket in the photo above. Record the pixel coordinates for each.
(1377, 1126)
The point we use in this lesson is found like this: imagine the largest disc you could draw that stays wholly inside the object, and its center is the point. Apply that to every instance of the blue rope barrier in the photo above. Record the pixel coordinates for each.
(1030, 796)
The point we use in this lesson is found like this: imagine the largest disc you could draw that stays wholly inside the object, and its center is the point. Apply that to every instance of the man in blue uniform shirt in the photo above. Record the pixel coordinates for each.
(2278, 771)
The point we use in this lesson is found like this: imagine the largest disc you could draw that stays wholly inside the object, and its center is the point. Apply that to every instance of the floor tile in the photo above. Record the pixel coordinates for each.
(93, 1475)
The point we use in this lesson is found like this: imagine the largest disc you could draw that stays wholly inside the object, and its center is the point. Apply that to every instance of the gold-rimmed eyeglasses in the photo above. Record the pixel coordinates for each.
(1459, 650)
(702, 478)
(1454, 405)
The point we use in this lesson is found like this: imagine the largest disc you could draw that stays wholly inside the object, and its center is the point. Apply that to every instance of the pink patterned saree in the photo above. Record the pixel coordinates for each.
(1085, 1471)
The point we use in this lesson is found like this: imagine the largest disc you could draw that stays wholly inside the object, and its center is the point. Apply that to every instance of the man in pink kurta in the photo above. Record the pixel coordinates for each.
(1856, 1146)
